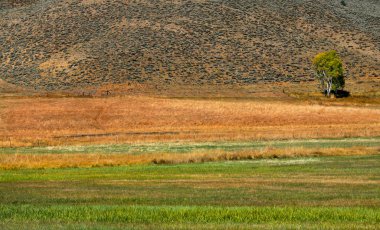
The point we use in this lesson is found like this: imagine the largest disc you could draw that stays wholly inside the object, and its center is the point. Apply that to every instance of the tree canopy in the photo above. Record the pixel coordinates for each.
(329, 70)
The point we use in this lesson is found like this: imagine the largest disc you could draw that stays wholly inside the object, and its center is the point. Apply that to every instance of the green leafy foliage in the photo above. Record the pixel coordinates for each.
(329, 70)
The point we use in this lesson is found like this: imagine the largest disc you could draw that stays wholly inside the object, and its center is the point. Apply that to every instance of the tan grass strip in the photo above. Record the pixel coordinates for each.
(37, 161)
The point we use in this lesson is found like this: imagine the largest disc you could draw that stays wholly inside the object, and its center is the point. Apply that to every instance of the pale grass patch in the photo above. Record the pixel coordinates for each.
(282, 161)
(91, 2)
(72, 148)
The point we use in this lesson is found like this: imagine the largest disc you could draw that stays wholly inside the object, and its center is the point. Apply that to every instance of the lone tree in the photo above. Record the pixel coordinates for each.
(329, 71)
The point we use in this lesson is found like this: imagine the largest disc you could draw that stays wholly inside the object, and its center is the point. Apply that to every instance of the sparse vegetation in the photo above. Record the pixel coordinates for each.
(202, 50)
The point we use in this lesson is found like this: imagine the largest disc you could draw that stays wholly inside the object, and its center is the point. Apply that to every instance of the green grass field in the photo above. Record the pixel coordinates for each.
(312, 193)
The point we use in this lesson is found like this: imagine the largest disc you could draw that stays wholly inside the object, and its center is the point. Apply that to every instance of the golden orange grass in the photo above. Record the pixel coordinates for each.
(18, 161)
(53, 121)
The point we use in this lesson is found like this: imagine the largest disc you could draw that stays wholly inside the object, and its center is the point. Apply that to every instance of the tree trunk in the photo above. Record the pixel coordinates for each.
(329, 86)
(329, 82)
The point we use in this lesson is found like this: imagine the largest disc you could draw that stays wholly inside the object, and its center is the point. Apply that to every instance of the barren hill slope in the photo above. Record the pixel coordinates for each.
(63, 44)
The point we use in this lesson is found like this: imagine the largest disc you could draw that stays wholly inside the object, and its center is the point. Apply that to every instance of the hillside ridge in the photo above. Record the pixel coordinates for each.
(55, 45)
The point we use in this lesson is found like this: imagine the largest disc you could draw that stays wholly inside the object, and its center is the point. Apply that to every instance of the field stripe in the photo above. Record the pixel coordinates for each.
(183, 214)
(194, 147)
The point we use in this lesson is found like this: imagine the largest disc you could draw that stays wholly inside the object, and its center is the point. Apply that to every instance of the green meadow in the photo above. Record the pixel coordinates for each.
(291, 193)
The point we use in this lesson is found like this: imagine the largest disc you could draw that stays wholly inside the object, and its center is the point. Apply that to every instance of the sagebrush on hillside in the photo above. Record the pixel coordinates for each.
(166, 43)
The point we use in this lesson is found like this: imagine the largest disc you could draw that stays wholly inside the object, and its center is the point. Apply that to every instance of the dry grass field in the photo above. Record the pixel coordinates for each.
(40, 121)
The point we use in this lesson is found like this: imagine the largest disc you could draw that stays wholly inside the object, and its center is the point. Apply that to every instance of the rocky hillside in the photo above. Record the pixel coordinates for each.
(63, 44)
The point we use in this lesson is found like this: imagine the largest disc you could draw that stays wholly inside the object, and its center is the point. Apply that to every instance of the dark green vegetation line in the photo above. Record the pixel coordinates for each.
(179, 214)
(318, 192)
(183, 147)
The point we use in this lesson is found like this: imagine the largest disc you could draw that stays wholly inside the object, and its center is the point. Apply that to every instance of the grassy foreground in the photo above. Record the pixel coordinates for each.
(187, 216)
(319, 192)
